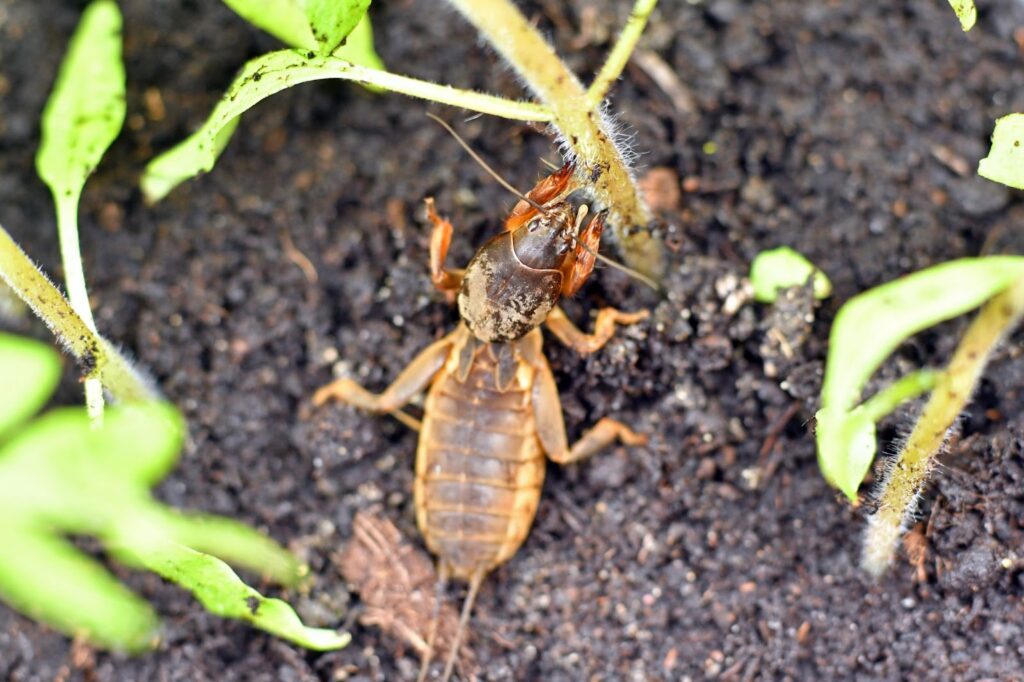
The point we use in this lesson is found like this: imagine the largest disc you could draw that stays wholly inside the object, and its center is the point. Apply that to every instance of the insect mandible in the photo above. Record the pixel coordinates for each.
(492, 411)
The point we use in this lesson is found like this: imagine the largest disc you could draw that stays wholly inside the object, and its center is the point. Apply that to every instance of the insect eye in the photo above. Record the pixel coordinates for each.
(534, 225)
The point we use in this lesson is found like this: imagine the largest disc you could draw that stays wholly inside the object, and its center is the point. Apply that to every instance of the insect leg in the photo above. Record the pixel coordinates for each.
(467, 608)
(413, 379)
(584, 344)
(547, 409)
(440, 239)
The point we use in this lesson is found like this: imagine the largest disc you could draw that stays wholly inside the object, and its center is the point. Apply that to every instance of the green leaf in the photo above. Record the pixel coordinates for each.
(1005, 160)
(60, 475)
(49, 580)
(87, 106)
(259, 79)
(30, 372)
(333, 20)
(966, 12)
(782, 268)
(283, 19)
(217, 587)
(869, 328)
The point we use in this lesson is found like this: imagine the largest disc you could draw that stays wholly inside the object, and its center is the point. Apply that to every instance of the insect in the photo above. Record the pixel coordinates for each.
(492, 411)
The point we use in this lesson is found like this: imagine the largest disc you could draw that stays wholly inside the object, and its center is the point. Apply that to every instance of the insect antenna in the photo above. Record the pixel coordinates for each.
(483, 164)
(467, 608)
(435, 619)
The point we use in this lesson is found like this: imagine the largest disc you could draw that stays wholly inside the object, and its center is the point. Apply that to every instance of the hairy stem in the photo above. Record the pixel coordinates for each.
(96, 355)
(584, 129)
(952, 392)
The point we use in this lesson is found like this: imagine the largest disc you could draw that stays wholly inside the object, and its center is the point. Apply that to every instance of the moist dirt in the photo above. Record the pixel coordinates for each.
(849, 131)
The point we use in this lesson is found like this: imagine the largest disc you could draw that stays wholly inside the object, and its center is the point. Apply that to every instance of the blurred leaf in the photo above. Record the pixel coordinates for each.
(60, 475)
(966, 12)
(783, 268)
(217, 587)
(86, 108)
(48, 579)
(869, 328)
(284, 19)
(30, 373)
(1005, 160)
(333, 20)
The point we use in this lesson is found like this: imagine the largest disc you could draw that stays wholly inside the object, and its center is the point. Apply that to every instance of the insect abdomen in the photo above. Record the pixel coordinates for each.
(479, 470)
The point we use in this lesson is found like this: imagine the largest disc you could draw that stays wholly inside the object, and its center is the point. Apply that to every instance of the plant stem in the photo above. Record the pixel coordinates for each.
(583, 128)
(74, 279)
(444, 94)
(96, 355)
(952, 392)
(620, 53)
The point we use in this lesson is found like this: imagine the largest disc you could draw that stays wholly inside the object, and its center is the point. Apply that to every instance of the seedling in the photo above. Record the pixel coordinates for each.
(83, 116)
(868, 329)
(60, 476)
(783, 268)
(576, 113)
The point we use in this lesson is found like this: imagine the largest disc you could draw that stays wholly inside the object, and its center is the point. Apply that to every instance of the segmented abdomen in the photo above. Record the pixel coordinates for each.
(479, 470)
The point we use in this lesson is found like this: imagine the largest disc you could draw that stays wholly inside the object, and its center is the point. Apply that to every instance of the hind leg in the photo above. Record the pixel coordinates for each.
(547, 409)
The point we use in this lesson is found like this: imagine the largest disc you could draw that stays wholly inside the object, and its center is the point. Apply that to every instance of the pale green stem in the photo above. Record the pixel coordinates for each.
(620, 53)
(92, 350)
(601, 166)
(74, 280)
(953, 390)
(446, 94)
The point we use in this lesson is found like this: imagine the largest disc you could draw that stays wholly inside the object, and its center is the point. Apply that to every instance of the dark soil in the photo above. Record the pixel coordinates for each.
(847, 130)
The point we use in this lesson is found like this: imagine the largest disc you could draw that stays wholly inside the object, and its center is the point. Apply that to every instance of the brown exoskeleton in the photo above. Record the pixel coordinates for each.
(493, 412)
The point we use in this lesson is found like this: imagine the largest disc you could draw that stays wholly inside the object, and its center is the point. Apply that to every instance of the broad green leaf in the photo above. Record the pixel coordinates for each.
(1005, 160)
(30, 374)
(333, 20)
(97, 356)
(50, 580)
(870, 327)
(966, 12)
(217, 587)
(60, 475)
(284, 19)
(86, 108)
(782, 268)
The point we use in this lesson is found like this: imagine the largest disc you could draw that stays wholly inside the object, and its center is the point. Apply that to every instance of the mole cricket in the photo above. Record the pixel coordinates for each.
(492, 410)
